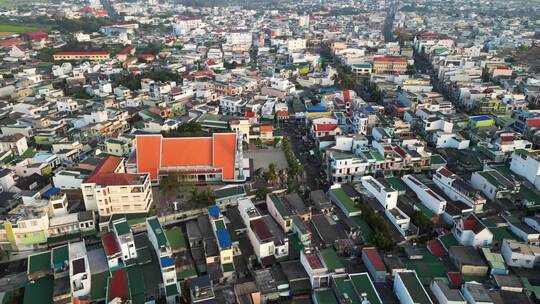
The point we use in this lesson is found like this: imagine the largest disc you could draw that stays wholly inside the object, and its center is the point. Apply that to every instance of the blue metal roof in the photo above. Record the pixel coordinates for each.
(52, 191)
(317, 109)
(481, 118)
(224, 238)
(214, 211)
(328, 90)
(167, 261)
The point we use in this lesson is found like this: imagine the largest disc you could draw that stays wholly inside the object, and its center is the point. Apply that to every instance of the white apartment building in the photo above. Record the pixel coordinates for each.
(231, 104)
(470, 231)
(387, 197)
(428, 197)
(267, 245)
(15, 143)
(124, 238)
(110, 190)
(298, 44)
(239, 38)
(527, 164)
(79, 270)
(518, 254)
(458, 189)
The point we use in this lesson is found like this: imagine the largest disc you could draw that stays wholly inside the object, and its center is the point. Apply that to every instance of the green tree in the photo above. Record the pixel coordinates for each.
(261, 193)
(271, 174)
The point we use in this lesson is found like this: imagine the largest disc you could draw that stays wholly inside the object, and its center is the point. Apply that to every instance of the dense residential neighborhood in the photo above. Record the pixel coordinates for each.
(209, 151)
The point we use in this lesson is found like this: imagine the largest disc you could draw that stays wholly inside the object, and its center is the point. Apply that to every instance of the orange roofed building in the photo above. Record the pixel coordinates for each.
(110, 190)
(198, 159)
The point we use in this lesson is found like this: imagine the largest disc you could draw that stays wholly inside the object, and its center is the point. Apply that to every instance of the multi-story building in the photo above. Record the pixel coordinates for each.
(79, 271)
(493, 184)
(163, 250)
(458, 189)
(110, 190)
(390, 65)
(15, 143)
(518, 254)
(470, 231)
(223, 238)
(202, 159)
(428, 197)
(409, 290)
(268, 244)
(527, 164)
(232, 105)
(239, 38)
(97, 56)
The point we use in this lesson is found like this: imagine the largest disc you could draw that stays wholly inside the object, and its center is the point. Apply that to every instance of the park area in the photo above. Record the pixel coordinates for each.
(15, 28)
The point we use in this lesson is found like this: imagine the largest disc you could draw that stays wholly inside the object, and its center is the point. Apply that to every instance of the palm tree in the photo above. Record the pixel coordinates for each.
(271, 174)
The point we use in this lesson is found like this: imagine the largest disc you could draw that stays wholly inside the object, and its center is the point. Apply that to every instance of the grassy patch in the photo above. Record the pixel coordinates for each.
(15, 28)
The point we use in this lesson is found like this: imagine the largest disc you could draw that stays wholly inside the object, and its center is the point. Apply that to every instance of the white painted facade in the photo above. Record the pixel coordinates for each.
(428, 197)
(387, 197)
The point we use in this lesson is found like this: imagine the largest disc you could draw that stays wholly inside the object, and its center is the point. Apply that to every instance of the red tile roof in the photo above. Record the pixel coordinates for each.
(313, 261)
(118, 287)
(126, 50)
(445, 172)
(534, 122)
(265, 128)
(109, 244)
(218, 151)
(436, 248)
(105, 168)
(389, 59)
(473, 223)
(455, 279)
(325, 127)
(375, 258)
(261, 229)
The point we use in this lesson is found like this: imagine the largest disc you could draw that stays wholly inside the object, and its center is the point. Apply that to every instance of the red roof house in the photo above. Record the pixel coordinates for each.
(191, 155)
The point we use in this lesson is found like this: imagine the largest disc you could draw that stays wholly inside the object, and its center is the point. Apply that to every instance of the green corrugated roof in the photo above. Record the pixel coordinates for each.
(364, 227)
(396, 183)
(331, 259)
(158, 232)
(325, 296)
(171, 290)
(344, 286)
(362, 284)
(448, 241)
(39, 262)
(229, 191)
(494, 259)
(345, 200)
(98, 285)
(136, 286)
(122, 228)
(228, 267)
(39, 291)
(436, 159)
(413, 285)
(60, 254)
(176, 238)
(280, 206)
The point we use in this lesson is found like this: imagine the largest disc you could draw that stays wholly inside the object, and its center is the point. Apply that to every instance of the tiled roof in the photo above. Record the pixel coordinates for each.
(109, 244)
(260, 229)
(390, 59)
(218, 151)
(472, 223)
(375, 258)
(325, 127)
(118, 287)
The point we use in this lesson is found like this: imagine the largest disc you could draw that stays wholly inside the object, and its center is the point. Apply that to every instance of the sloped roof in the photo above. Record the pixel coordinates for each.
(218, 151)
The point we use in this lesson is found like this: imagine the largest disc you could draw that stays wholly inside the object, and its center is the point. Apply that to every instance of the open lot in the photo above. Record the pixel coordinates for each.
(14, 28)
(264, 157)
